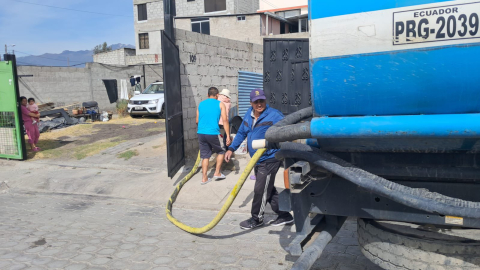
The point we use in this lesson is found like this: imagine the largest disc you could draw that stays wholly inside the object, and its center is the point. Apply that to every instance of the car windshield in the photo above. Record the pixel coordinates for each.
(154, 89)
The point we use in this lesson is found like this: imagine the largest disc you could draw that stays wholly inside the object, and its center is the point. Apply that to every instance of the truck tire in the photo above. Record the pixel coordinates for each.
(406, 246)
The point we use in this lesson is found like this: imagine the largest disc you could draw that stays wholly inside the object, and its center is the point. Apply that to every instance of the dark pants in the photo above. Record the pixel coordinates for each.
(265, 190)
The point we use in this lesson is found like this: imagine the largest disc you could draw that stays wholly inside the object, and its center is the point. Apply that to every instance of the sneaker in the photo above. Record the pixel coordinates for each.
(282, 220)
(250, 224)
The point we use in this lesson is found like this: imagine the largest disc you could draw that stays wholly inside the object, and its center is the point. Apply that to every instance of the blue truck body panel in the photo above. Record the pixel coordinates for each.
(437, 80)
(406, 69)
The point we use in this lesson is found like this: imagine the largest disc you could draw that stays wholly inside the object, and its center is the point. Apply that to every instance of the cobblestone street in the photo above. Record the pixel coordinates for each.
(54, 231)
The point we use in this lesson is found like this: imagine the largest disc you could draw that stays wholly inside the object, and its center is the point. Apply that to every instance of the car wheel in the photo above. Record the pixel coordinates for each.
(161, 115)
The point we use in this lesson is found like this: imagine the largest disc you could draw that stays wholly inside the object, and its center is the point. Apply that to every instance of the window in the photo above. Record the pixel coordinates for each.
(201, 25)
(282, 28)
(143, 40)
(215, 5)
(241, 18)
(303, 25)
(142, 12)
(288, 13)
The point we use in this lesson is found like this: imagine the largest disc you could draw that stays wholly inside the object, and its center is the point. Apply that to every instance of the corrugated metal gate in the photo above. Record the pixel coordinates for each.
(12, 141)
(247, 81)
(173, 105)
(286, 77)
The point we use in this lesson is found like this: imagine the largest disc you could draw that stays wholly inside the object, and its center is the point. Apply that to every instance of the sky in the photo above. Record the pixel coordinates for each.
(38, 29)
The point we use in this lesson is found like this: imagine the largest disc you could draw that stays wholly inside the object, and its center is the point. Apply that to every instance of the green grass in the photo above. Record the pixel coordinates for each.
(87, 150)
(156, 146)
(128, 154)
(154, 129)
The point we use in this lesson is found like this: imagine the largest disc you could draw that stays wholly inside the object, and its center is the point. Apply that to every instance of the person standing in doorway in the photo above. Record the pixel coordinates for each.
(255, 123)
(224, 97)
(209, 113)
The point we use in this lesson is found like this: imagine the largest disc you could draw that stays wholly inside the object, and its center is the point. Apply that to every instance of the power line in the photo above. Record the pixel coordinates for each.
(71, 9)
(155, 72)
(36, 65)
(30, 64)
(47, 57)
(78, 64)
(265, 1)
(28, 86)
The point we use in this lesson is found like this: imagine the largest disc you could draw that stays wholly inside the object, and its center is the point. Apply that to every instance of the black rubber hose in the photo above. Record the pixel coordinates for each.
(421, 199)
(288, 130)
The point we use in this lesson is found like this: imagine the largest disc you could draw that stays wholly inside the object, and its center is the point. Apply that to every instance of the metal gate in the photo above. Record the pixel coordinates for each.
(173, 105)
(286, 78)
(12, 141)
(247, 81)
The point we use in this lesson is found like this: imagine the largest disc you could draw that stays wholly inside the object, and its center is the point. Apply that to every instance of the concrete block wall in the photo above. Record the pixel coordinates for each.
(247, 6)
(190, 8)
(197, 7)
(143, 59)
(117, 57)
(153, 73)
(230, 27)
(210, 61)
(155, 10)
(67, 85)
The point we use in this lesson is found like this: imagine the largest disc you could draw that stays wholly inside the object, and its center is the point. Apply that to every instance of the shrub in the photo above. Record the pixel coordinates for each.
(122, 108)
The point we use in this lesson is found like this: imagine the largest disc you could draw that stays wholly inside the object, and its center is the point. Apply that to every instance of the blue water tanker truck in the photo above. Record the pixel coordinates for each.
(392, 135)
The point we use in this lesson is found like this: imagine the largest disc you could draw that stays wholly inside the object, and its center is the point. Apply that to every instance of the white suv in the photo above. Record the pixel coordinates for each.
(150, 102)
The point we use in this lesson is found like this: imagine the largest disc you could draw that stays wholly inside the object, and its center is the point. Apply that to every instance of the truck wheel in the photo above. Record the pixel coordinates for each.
(405, 246)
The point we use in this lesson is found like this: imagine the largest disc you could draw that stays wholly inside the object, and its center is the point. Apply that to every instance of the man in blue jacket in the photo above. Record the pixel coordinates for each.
(255, 123)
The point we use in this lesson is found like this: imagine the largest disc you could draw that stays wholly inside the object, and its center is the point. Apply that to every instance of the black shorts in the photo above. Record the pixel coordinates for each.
(209, 143)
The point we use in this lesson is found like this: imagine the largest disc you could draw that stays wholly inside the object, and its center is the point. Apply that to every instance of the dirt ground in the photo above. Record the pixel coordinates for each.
(83, 140)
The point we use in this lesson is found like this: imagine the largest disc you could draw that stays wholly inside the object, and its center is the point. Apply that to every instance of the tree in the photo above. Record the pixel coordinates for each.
(102, 48)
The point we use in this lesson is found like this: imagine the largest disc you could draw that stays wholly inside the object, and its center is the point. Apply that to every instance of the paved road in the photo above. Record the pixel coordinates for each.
(55, 231)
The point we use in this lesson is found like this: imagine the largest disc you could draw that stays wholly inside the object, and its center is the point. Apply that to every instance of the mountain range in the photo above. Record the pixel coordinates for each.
(63, 59)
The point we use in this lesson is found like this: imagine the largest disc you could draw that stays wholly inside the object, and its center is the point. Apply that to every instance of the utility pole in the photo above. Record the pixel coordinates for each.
(6, 49)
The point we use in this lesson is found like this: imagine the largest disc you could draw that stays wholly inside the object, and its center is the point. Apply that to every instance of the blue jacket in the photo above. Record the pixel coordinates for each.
(267, 119)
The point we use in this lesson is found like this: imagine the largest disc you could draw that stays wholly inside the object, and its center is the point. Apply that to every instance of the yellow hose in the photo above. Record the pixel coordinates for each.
(225, 207)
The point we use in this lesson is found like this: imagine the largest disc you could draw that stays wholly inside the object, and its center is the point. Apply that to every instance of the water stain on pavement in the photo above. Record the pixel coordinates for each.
(40, 242)
(78, 206)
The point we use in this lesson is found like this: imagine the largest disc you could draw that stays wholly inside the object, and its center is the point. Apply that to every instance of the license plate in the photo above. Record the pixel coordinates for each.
(138, 108)
(442, 23)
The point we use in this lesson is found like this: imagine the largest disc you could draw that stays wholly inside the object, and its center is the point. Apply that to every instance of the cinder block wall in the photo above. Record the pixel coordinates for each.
(245, 31)
(68, 85)
(210, 61)
(116, 57)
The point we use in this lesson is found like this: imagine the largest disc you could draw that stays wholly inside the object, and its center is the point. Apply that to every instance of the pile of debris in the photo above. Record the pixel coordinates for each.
(55, 117)
(56, 123)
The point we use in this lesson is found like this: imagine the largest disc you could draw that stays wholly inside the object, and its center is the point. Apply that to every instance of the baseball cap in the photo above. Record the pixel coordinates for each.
(257, 94)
